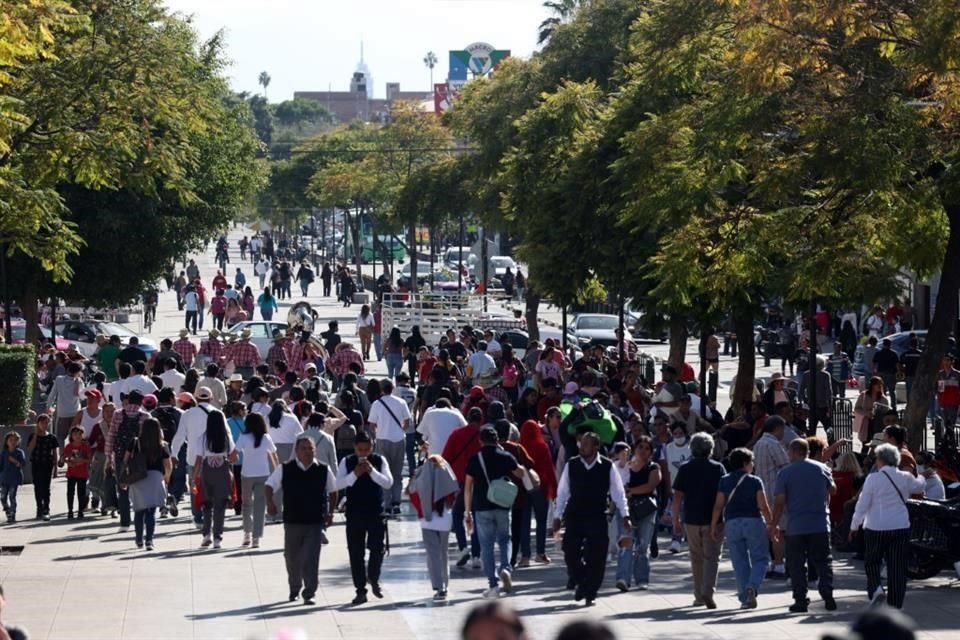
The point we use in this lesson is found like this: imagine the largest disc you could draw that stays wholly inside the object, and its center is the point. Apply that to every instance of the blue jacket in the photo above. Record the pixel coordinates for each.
(10, 474)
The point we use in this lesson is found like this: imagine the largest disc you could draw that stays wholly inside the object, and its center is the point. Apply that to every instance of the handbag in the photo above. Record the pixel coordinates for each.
(135, 468)
(531, 479)
(501, 491)
(641, 507)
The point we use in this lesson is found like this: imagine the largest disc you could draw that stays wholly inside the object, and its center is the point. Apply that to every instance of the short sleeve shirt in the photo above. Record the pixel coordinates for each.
(698, 479)
(499, 464)
(744, 502)
(806, 485)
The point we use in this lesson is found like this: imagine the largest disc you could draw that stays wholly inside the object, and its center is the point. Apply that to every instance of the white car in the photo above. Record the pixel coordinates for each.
(83, 333)
(500, 264)
(261, 332)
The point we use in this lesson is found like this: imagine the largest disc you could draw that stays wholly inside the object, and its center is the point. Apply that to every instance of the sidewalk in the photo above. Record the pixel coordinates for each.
(80, 580)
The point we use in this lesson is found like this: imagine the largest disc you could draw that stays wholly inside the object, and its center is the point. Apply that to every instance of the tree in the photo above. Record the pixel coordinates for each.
(300, 114)
(430, 61)
(124, 100)
(562, 11)
(264, 81)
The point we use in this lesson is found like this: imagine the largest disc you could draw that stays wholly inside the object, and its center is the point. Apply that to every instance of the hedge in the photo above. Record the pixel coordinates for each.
(17, 363)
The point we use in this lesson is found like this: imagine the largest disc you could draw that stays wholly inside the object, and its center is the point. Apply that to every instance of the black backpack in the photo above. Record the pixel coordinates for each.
(169, 422)
(128, 431)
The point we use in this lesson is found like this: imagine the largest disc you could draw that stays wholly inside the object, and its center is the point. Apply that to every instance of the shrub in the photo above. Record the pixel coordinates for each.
(17, 376)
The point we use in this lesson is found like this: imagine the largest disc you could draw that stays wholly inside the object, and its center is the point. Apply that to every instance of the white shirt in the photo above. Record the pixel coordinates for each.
(617, 494)
(190, 301)
(256, 460)
(437, 424)
(87, 422)
(143, 384)
(494, 347)
(262, 267)
(173, 379)
(365, 322)
(387, 427)
(275, 481)
(260, 407)
(218, 389)
(205, 451)
(382, 478)
(193, 426)
(934, 490)
(288, 430)
(880, 507)
(676, 456)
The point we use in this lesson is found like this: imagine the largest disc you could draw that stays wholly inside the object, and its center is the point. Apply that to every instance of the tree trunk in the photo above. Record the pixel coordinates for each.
(747, 359)
(531, 312)
(678, 340)
(31, 316)
(412, 249)
(356, 225)
(944, 316)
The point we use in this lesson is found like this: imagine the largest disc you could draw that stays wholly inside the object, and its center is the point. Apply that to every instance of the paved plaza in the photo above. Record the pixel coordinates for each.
(82, 579)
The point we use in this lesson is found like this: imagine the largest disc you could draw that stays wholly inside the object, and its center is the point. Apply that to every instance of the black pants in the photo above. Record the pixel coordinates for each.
(326, 288)
(123, 495)
(42, 477)
(893, 548)
(301, 552)
(811, 549)
(78, 485)
(820, 416)
(585, 546)
(363, 533)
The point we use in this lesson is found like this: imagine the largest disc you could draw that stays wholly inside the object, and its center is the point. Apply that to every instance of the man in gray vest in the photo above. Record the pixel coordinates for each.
(306, 484)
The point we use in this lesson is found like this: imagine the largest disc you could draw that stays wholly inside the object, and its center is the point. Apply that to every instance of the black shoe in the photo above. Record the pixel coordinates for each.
(578, 594)
(294, 595)
(654, 547)
(309, 600)
(69, 515)
(829, 603)
(80, 514)
(589, 602)
(571, 584)
(360, 598)
(798, 607)
(375, 589)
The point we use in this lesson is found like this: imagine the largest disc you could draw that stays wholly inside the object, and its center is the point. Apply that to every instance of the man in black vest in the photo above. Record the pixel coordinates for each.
(586, 482)
(306, 484)
(365, 475)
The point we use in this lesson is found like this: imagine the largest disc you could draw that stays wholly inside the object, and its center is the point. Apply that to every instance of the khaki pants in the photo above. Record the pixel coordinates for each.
(704, 559)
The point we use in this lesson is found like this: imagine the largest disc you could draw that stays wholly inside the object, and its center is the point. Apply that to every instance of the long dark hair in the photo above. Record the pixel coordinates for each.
(373, 390)
(151, 439)
(277, 409)
(216, 434)
(255, 425)
(395, 339)
(191, 380)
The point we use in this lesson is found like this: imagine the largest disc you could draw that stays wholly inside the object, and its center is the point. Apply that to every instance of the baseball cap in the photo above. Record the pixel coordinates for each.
(93, 393)
(186, 397)
(149, 401)
(570, 388)
(204, 393)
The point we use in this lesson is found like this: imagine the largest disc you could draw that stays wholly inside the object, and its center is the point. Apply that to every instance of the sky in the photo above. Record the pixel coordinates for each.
(313, 45)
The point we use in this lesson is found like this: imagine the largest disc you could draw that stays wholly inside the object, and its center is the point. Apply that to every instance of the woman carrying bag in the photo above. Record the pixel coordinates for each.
(634, 561)
(147, 468)
(865, 409)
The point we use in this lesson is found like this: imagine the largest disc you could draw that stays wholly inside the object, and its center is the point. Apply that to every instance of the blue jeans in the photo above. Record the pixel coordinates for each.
(634, 562)
(459, 530)
(493, 528)
(145, 518)
(394, 364)
(378, 348)
(8, 497)
(749, 553)
(535, 505)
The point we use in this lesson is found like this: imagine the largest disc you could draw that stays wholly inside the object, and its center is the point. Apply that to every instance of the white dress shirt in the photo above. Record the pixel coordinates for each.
(617, 494)
(437, 424)
(173, 379)
(275, 481)
(193, 426)
(880, 507)
(382, 478)
(218, 389)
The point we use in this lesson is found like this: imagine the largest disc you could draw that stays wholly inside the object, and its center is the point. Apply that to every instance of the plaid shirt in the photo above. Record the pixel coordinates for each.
(243, 354)
(276, 353)
(211, 348)
(340, 361)
(130, 410)
(186, 350)
(769, 458)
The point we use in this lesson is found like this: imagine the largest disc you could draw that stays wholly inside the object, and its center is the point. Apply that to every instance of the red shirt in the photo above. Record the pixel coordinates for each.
(219, 282)
(79, 469)
(687, 374)
(462, 445)
(425, 368)
(186, 350)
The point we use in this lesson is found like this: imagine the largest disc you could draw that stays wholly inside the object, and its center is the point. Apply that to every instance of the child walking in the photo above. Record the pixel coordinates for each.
(43, 447)
(11, 474)
(97, 443)
(76, 455)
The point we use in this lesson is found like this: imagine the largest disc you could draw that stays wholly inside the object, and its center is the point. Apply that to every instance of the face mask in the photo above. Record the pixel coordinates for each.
(682, 440)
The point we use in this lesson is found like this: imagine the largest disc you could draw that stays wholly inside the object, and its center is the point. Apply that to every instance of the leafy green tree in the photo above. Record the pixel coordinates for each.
(301, 114)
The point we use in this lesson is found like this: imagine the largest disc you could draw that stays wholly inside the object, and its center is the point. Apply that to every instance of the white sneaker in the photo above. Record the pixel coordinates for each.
(207, 541)
(492, 592)
(255, 544)
(507, 581)
(879, 598)
(217, 543)
(475, 563)
(675, 546)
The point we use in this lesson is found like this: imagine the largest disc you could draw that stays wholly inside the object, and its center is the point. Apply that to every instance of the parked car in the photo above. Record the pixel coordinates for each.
(83, 333)
(597, 329)
(519, 339)
(900, 342)
(451, 257)
(18, 331)
(261, 332)
(500, 264)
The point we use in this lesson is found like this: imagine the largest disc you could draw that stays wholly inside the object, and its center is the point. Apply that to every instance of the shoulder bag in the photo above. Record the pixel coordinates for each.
(641, 506)
(135, 468)
(895, 487)
(734, 492)
(501, 491)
